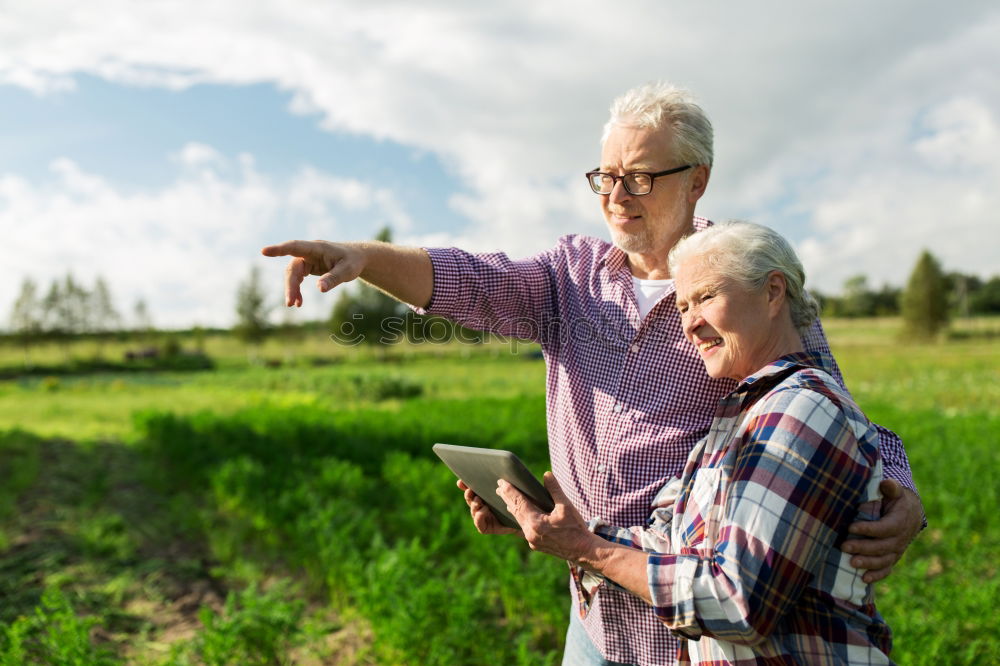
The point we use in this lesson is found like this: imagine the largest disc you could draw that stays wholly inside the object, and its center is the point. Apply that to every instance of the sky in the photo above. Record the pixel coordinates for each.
(160, 145)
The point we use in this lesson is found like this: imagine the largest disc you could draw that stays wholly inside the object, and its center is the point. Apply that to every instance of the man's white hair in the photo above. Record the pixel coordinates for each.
(748, 253)
(658, 105)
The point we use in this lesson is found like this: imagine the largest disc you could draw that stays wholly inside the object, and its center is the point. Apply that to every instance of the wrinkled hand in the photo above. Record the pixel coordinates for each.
(483, 517)
(902, 518)
(562, 532)
(335, 263)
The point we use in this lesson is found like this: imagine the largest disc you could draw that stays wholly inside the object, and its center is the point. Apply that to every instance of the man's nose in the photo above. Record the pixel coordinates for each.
(618, 192)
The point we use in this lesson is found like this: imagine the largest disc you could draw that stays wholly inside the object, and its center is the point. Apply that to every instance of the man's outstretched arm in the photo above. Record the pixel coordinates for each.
(405, 273)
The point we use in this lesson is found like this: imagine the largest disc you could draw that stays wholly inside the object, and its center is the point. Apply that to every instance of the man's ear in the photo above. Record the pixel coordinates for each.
(777, 289)
(699, 182)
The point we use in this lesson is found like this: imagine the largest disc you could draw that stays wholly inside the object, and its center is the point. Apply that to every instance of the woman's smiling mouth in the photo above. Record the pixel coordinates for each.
(708, 344)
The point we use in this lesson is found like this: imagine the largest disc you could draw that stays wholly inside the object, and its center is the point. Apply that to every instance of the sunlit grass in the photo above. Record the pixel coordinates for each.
(963, 377)
(99, 406)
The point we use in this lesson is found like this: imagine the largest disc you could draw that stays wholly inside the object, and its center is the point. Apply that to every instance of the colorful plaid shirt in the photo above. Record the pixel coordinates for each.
(744, 559)
(627, 398)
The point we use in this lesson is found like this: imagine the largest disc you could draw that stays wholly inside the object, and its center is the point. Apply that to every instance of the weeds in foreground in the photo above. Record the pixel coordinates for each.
(53, 634)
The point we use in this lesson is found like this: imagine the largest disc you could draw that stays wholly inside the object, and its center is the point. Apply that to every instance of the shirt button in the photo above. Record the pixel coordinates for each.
(601, 468)
(617, 408)
(634, 349)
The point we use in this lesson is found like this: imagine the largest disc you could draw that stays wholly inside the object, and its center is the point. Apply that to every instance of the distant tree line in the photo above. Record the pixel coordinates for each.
(69, 308)
(965, 295)
(931, 297)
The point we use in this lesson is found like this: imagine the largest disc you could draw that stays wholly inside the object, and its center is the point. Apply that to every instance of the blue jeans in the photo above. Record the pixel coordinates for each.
(580, 650)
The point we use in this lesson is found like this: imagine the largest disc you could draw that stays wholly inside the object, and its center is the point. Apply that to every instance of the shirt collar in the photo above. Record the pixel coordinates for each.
(701, 223)
(784, 366)
(614, 259)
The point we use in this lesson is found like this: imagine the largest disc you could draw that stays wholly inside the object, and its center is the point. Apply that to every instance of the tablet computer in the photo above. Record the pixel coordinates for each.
(481, 468)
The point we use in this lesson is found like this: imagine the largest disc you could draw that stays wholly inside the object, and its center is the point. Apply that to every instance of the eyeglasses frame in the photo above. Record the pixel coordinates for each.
(653, 175)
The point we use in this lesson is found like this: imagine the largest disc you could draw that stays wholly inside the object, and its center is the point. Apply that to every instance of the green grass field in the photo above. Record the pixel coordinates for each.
(260, 515)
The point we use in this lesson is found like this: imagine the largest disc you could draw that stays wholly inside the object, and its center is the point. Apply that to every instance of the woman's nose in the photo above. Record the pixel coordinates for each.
(691, 321)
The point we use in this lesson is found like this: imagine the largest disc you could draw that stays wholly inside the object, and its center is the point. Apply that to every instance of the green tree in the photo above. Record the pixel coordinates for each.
(368, 316)
(64, 311)
(924, 303)
(75, 307)
(26, 317)
(962, 290)
(53, 313)
(104, 316)
(252, 310)
(858, 300)
(986, 299)
(142, 321)
(885, 301)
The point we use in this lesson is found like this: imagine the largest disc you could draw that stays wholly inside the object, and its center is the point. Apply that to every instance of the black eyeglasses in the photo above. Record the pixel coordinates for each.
(637, 183)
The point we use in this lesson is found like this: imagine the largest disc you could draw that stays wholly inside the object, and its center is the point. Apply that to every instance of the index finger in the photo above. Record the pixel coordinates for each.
(295, 248)
(887, 526)
(552, 485)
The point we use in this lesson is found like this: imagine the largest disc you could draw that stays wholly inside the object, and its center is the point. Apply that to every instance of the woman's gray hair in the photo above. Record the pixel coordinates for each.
(748, 253)
(658, 105)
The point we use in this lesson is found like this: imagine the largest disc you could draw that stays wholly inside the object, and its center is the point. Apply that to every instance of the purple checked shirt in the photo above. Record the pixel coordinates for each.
(627, 398)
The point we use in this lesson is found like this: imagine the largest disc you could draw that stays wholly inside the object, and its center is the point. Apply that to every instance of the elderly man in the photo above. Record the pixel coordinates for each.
(627, 396)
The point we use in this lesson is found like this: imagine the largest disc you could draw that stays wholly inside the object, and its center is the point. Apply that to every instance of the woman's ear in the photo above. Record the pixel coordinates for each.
(776, 290)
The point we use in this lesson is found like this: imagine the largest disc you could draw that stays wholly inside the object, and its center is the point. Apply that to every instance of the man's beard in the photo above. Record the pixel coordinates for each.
(638, 242)
(644, 240)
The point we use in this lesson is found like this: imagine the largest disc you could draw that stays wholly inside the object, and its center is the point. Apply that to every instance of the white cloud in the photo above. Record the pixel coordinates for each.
(183, 248)
(41, 83)
(961, 132)
(864, 132)
(939, 194)
(195, 154)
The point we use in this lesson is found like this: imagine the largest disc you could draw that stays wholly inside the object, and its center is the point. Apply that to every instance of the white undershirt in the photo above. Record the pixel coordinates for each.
(648, 292)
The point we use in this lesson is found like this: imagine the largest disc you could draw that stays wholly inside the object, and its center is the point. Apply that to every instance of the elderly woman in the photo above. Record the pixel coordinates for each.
(741, 555)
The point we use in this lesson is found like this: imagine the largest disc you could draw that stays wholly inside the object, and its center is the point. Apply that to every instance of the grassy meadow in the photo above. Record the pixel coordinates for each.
(289, 510)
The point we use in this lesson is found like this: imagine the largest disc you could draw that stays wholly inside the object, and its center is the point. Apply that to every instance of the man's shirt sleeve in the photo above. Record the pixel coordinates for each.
(798, 479)
(492, 292)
